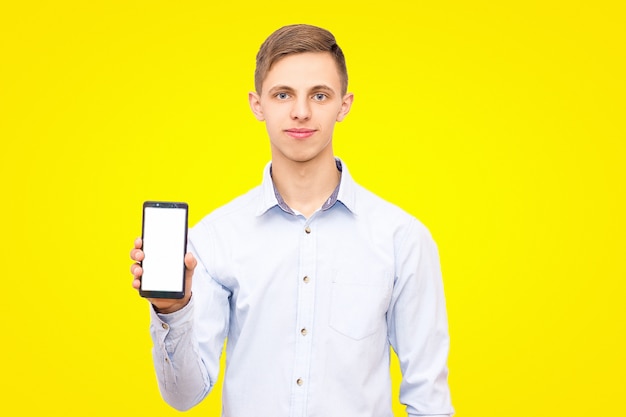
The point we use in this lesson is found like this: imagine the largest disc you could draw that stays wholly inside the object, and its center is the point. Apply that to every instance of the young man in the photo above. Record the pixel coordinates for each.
(309, 276)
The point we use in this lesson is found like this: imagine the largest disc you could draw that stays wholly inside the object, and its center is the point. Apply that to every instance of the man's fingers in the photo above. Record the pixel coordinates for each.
(136, 255)
(190, 261)
(136, 270)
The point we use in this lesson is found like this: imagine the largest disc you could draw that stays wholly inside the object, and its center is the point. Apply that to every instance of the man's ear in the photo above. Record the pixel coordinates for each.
(346, 104)
(255, 106)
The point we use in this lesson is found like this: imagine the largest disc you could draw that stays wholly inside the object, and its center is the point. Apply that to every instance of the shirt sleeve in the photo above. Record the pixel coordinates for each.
(187, 344)
(418, 327)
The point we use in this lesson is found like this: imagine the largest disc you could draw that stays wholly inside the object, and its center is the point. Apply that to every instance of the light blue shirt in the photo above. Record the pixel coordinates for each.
(310, 308)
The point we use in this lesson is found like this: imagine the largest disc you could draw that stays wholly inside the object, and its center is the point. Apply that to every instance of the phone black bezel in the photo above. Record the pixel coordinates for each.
(166, 205)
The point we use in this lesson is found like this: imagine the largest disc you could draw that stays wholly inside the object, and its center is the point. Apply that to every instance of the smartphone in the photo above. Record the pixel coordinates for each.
(164, 235)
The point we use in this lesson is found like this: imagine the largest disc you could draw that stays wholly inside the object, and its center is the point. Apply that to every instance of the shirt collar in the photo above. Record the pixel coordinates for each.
(345, 192)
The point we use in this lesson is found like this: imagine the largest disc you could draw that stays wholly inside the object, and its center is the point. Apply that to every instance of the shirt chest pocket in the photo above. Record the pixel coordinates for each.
(358, 306)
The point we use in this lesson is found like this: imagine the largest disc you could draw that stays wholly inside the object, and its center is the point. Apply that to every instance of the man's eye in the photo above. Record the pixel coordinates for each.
(320, 97)
(282, 96)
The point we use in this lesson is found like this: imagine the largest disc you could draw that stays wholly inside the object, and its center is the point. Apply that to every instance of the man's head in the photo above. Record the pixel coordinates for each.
(297, 39)
(301, 84)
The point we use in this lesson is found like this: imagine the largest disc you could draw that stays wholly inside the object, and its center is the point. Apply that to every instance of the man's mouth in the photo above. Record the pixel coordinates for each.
(300, 133)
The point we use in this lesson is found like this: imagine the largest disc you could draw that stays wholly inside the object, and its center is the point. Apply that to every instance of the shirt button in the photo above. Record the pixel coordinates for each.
(304, 332)
(307, 230)
(306, 280)
(300, 381)
(165, 326)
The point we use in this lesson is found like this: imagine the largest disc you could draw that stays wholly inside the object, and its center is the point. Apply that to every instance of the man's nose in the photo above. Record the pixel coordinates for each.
(301, 109)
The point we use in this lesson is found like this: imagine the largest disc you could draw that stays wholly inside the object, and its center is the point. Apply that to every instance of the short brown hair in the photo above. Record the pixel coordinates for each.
(297, 39)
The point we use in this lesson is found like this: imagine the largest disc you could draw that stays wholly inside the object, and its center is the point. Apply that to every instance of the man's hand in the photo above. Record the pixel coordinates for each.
(162, 305)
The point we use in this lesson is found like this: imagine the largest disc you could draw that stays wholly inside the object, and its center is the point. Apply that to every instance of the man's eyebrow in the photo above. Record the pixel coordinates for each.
(324, 88)
(281, 88)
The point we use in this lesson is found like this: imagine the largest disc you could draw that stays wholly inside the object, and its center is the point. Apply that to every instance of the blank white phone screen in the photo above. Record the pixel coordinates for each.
(164, 249)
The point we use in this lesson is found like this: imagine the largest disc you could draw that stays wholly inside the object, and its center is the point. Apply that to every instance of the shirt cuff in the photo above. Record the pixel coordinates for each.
(172, 323)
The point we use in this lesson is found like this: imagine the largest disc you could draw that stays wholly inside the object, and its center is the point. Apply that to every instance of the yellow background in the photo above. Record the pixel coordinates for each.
(501, 125)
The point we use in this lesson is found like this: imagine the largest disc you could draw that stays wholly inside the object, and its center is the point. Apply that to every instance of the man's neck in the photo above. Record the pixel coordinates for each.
(305, 186)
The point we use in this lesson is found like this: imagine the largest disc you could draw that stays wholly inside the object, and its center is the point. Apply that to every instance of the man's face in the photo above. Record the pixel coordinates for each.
(300, 102)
